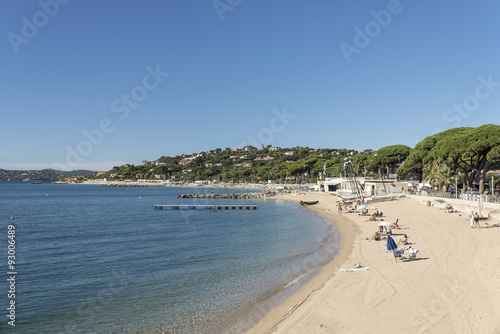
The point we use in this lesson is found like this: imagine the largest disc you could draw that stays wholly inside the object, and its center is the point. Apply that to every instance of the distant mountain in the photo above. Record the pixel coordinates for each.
(40, 175)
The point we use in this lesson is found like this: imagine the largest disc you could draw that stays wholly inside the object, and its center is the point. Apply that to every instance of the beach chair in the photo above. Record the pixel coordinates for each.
(398, 253)
(412, 253)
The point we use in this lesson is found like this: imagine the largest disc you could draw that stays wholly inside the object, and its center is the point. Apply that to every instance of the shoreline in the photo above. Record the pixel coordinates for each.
(452, 287)
(347, 234)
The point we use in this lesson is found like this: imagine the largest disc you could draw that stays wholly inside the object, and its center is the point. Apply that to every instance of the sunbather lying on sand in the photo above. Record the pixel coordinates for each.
(403, 240)
(372, 218)
(449, 209)
(377, 236)
(396, 226)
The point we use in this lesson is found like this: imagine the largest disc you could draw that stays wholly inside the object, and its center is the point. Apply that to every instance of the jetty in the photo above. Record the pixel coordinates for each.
(206, 207)
(252, 195)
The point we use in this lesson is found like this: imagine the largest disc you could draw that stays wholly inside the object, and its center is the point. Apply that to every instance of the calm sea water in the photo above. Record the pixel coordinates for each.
(91, 259)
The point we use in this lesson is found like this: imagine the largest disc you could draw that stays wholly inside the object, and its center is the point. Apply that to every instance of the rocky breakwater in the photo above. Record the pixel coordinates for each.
(254, 195)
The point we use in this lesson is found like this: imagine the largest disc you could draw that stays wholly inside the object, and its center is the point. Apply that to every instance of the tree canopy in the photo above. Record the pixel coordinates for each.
(472, 152)
(389, 157)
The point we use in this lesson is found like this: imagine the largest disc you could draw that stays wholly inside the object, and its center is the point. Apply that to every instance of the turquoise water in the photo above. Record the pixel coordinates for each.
(91, 259)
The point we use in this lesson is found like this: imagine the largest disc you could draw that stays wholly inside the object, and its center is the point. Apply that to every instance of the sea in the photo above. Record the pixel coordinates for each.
(93, 259)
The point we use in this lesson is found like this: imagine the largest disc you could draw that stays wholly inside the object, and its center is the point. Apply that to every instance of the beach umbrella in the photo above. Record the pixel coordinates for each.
(391, 246)
(386, 224)
(361, 207)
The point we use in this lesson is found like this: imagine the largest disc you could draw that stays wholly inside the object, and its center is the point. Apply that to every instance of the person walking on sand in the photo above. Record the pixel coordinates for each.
(471, 217)
(476, 220)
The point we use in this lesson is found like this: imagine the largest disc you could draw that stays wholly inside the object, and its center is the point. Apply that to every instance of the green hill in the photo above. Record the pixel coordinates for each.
(40, 175)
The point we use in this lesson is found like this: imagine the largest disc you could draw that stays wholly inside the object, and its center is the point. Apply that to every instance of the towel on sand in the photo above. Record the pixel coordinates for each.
(354, 269)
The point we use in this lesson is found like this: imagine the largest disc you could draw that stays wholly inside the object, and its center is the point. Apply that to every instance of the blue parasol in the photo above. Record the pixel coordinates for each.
(391, 244)
(361, 207)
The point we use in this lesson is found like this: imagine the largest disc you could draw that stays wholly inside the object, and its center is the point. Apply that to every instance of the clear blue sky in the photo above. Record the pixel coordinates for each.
(150, 78)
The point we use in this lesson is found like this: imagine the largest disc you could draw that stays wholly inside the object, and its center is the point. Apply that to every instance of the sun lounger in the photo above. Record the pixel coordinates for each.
(412, 253)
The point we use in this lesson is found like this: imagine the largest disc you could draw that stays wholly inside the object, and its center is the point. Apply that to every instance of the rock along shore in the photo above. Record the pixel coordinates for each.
(254, 195)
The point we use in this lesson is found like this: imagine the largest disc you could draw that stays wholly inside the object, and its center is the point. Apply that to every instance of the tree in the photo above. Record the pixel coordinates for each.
(440, 175)
(419, 155)
(389, 157)
(471, 151)
(359, 162)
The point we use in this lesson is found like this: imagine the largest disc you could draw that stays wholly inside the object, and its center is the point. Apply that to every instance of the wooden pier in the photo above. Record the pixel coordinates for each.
(205, 207)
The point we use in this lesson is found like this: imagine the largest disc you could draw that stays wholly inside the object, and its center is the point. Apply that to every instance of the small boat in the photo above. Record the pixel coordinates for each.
(308, 203)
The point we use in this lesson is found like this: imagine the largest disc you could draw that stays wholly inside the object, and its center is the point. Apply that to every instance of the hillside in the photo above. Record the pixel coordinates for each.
(243, 164)
(40, 175)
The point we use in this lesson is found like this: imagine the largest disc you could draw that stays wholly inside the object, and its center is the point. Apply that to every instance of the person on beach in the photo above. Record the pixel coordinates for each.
(403, 240)
(396, 226)
(339, 207)
(377, 236)
(471, 217)
(449, 209)
(364, 212)
(476, 220)
(372, 218)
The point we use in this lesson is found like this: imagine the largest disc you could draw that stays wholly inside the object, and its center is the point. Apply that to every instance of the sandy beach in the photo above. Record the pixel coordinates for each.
(453, 286)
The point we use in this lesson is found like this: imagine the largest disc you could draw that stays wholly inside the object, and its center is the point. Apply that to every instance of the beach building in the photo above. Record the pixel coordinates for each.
(341, 185)
(383, 187)
(330, 185)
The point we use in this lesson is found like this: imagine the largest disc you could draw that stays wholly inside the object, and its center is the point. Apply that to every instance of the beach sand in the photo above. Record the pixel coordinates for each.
(452, 287)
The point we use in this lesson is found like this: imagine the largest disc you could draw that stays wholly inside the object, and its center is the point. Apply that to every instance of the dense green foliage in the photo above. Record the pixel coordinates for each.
(39, 175)
(466, 152)
(248, 164)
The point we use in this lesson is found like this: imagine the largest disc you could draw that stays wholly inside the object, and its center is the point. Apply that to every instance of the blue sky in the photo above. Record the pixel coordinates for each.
(94, 84)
